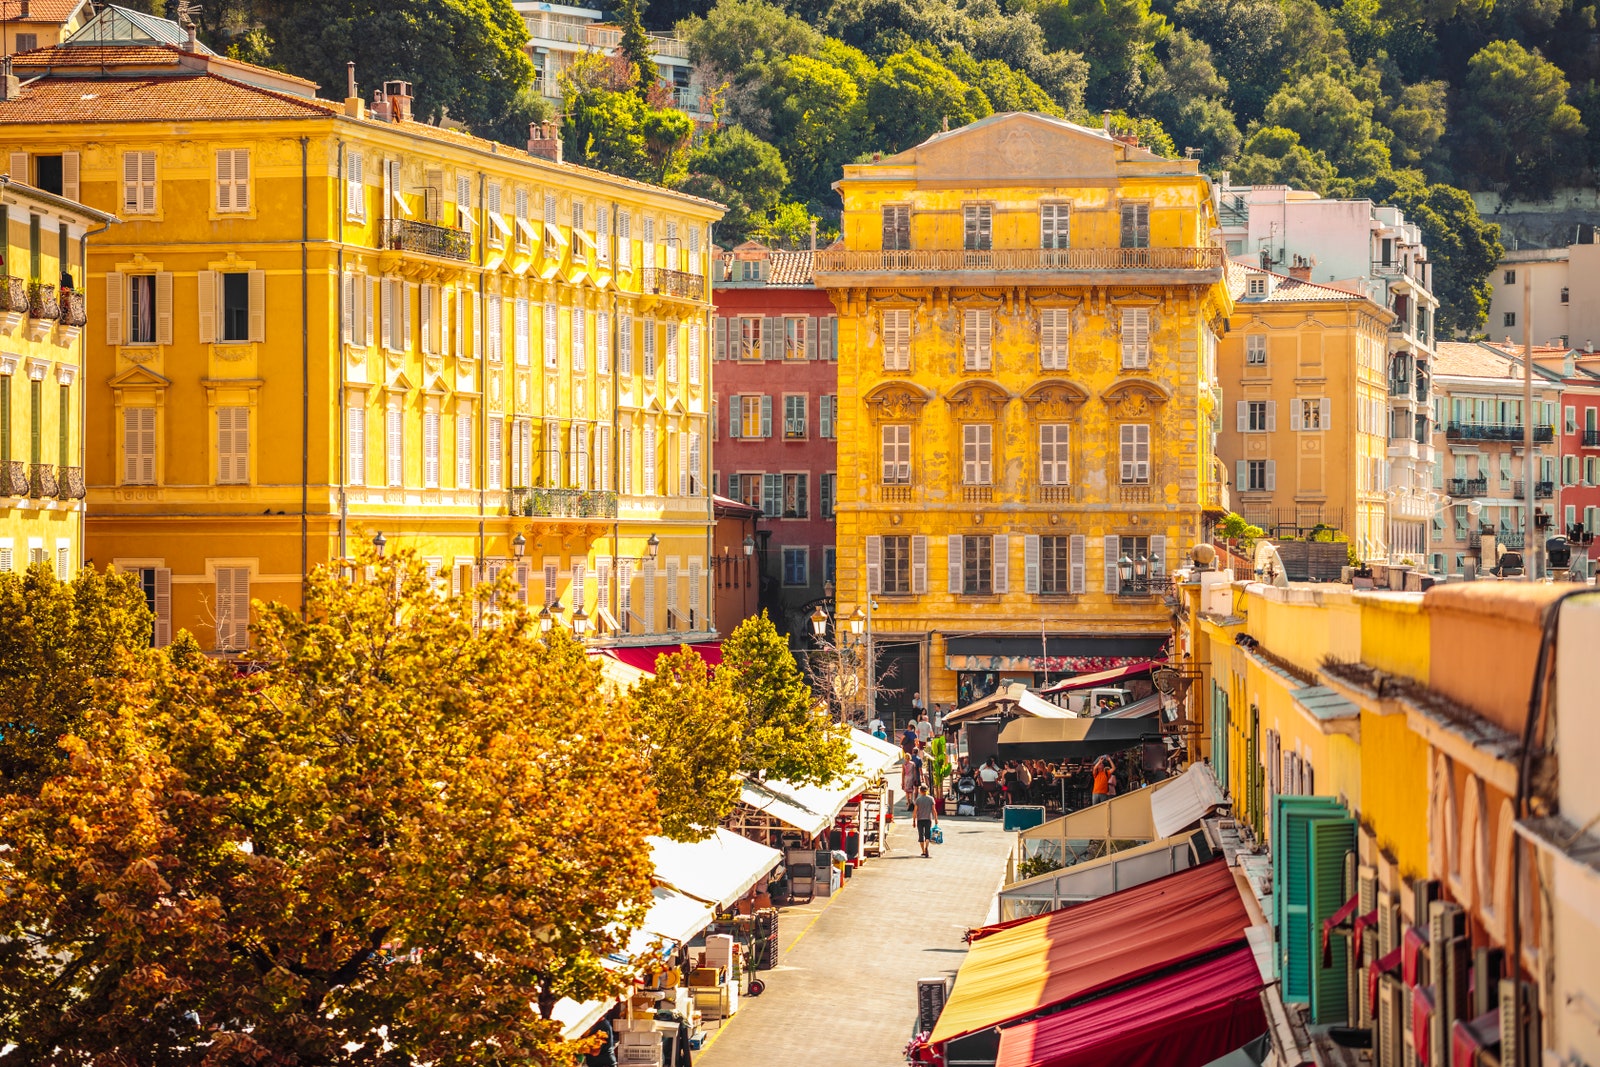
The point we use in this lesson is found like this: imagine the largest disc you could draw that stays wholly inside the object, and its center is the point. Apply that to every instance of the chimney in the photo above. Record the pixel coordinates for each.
(380, 106)
(189, 42)
(544, 141)
(353, 106)
(399, 96)
(1588, 347)
(1105, 120)
(10, 89)
(1300, 272)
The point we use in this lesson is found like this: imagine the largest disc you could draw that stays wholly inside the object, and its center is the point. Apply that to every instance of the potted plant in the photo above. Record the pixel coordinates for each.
(938, 770)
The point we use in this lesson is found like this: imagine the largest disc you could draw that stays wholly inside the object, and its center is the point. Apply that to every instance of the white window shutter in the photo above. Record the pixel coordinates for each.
(426, 314)
(1078, 545)
(722, 338)
(735, 410)
(1272, 474)
(408, 291)
(766, 415)
(1324, 408)
(207, 305)
(116, 290)
(1002, 563)
(1158, 553)
(258, 306)
(953, 562)
(163, 612)
(356, 443)
(18, 169)
(387, 333)
(1272, 416)
(919, 564)
(1030, 563)
(1242, 410)
(163, 307)
(1295, 421)
(371, 305)
(1241, 475)
(1113, 553)
(347, 309)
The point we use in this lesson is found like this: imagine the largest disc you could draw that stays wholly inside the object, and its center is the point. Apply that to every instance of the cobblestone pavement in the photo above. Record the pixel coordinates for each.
(844, 990)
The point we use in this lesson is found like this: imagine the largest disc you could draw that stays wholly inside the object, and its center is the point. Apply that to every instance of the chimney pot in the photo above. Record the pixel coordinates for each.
(1300, 272)
(544, 141)
(350, 79)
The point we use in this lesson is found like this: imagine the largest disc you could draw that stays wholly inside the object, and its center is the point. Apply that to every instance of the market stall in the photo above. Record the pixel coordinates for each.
(718, 870)
(1093, 879)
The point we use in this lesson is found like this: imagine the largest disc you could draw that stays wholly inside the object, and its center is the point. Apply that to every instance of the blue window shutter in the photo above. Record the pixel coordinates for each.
(1331, 839)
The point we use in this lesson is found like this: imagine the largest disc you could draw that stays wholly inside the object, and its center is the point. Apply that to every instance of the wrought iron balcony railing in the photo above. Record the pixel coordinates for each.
(1503, 431)
(562, 503)
(1542, 490)
(1468, 486)
(1591, 439)
(69, 483)
(14, 478)
(42, 480)
(663, 282)
(851, 260)
(42, 302)
(1509, 538)
(1154, 585)
(427, 238)
(74, 309)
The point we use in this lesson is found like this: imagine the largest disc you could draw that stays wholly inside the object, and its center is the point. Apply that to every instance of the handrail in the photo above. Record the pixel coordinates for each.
(847, 260)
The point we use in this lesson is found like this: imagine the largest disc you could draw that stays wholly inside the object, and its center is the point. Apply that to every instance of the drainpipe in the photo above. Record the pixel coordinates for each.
(83, 394)
(708, 352)
(342, 419)
(614, 459)
(483, 375)
(305, 365)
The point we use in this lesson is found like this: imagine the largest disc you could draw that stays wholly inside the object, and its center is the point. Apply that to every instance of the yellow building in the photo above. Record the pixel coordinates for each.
(1303, 370)
(324, 321)
(1028, 313)
(28, 24)
(41, 389)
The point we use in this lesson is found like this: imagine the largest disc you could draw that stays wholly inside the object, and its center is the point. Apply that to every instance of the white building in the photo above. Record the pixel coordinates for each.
(1369, 249)
(560, 34)
(1565, 292)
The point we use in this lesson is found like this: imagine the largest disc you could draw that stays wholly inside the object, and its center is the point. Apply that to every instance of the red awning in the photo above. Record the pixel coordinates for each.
(1185, 1019)
(643, 657)
(1022, 969)
(1089, 681)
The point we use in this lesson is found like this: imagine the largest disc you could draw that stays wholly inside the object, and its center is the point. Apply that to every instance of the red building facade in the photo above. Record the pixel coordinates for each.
(775, 404)
(1578, 507)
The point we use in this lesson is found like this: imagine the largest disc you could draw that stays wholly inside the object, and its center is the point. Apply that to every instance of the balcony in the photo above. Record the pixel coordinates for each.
(13, 294)
(74, 309)
(562, 503)
(14, 478)
(1467, 486)
(1511, 539)
(894, 494)
(1054, 494)
(42, 480)
(1402, 448)
(1542, 490)
(1502, 431)
(1139, 263)
(977, 494)
(1136, 494)
(1591, 439)
(425, 237)
(42, 302)
(69, 483)
(663, 282)
(1155, 585)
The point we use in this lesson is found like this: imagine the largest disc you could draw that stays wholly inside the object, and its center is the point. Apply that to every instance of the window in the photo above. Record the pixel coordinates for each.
(1135, 225)
(524, 231)
(747, 337)
(1508, 319)
(233, 179)
(233, 446)
(1055, 564)
(977, 565)
(1313, 414)
(829, 494)
(650, 350)
(772, 495)
(356, 443)
(394, 444)
(897, 455)
(1053, 455)
(1135, 453)
(522, 340)
(896, 227)
(978, 227)
(235, 307)
(794, 337)
(977, 339)
(694, 353)
(794, 418)
(977, 454)
(827, 416)
(141, 309)
(1259, 475)
(27, 42)
(896, 564)
(1255, 350)
(464, 435)
(1135, 338)
(1565, 295)
(430, 449)
(1054, 229)
(138, 183)
(233, 608)
(897, 339)
(1510, 277)
(138, 443)
(580, 341)
(355, 198)
(751, 416)
(1255, 412)
(1257, 287)
(650, 458)
(796, 496)
(1054, 325)
(495, 229)
(796, 566)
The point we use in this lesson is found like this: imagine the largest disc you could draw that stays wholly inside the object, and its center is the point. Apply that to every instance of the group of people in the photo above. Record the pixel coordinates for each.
(1038, 781)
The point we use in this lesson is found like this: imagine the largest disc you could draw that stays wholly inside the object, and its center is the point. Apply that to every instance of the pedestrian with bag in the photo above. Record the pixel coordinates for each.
(927, 819)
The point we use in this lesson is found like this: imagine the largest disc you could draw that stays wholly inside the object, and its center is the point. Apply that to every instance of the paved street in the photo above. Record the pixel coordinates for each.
(845, 987)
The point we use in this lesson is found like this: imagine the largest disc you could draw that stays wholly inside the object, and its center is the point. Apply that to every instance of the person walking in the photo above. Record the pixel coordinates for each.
(924, 729)
(927, 819)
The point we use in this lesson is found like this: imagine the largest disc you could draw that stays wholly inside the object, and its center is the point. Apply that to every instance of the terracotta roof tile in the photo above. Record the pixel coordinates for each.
(165, 98)
(1286, 290)
(1468, 359)
(58, 11)
(117, 55)
(790, 268)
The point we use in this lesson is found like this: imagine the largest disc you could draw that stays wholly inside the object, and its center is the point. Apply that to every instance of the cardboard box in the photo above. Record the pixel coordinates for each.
(704, 977)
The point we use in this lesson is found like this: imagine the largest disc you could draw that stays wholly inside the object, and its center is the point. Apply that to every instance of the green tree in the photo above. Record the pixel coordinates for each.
(379, 848)
(1462, 248)
(690, 725)
(59, 641)
(1515, 130)
(736, 168)
(789, 226)
(1417, 118)
(787, 733)
(1275, 156)
(1005, 88)
(819, 120)
(912, 96)
(466, 58)
(738, 38)
(883, 27)
(1326, 114)
(635, 44)
(1114, 36)
(1187, 97)
(609, 126)
(1248, 39)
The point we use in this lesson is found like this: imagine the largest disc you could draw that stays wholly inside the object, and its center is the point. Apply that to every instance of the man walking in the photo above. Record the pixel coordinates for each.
(924, 729)
(926, 819)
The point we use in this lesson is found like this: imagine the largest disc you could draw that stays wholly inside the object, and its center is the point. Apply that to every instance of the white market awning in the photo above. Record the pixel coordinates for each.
(874, 756)
(1181, 802)
(673, 918)
(576, 1018)
(718, 870)
(1014, 699)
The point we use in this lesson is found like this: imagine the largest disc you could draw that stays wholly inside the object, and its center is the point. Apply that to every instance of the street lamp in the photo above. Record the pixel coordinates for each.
(546, 620)
(750, 546)
(819, 622)
(652, 547)
(1125, 568)
(379, 542)
(580, 622)
(858, 622)
(519, 545)
(1141, 567)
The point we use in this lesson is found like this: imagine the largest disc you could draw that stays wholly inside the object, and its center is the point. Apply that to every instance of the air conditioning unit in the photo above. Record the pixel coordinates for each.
(1389, 1042)
(1519, 1038)
(1449, 965)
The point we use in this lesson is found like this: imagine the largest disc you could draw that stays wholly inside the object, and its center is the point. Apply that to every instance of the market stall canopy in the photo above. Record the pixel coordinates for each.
(1185, 1019)
(620, 676)
(1033, 965)
(718, 870)
(1090, 681)
(1125, 816)
(1182, 801)
(578, 1017)
(673, 918)
(1071, 738)
(872, 755)
(644, 657)
(1014, 699)
(811, 809)
(1139, 709)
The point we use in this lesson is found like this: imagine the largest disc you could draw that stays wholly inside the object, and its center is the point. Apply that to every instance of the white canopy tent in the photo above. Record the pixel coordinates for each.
(1014, 699)
(718, 870)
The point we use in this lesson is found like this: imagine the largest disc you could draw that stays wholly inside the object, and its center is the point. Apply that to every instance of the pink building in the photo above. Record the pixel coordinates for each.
(774, 409)
(1578, 517)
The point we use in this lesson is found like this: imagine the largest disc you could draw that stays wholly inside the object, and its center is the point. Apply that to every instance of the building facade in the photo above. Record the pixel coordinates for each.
(1304, 368)
(560, 34)
(1578, 445)
(1369, 249)
(776, 419)
(30, 24)
(1028, 313)
(325, 321)
(1478, 411)
(1559, 287)
(42, 426)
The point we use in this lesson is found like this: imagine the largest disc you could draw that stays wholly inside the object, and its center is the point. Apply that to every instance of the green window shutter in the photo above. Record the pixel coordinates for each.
(1330, 840)
(1290, 838)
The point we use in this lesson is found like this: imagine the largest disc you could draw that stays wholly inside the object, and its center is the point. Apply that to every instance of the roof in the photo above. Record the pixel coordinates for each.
(60, 203)
(1285, 289)
(783, 268)
(158, 98)
(56, 11)
(119, 24)
(1015, 972)
(718, 870)
(1015, 699)
(1000, 118)
(1475, 359)
(1181, 802)
(727, 506)
(1090, 681)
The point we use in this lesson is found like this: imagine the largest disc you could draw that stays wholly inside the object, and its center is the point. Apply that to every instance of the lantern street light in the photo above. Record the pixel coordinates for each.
(519, 545)
(749, 546)
(546, 620)
(1125, 568)
(858, 622)
(580, 622)
(1141, 567)
(379, 542)
(653, 546)
(819, 622)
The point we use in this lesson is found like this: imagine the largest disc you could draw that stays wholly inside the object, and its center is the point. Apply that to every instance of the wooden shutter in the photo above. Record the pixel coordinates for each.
(1241, 410)
(19, 168)
(116, 291)
(1272, 474)
(387, 331)
(1030, 563)
(69, 179)
(1324, 410)
(1272, 415)
(164, 308)
(766, 415)
(1078, 546)
(1296, 422)
(1002, 563)
(1158, 553)
(356, 443)
(224, 180)
(139, 446)
(425, 314)
(394, 445)
(1241, 475)
(772, 337)
(919, 564)
(258, 306)
(430, 449)
(233, 445)
(373, 300)
(953, 562)
(1113, 553)
(735, 410)
(722, 338)
(163, 606)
